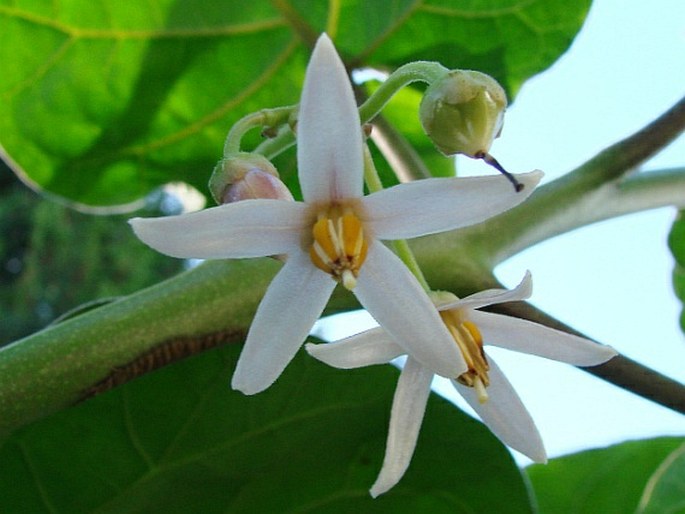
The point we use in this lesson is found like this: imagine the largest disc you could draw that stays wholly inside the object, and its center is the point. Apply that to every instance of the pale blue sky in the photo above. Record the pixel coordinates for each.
(611, 280)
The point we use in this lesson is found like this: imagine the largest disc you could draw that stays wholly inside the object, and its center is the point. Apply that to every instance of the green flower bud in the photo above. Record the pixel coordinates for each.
(462, 112)
(244, 176)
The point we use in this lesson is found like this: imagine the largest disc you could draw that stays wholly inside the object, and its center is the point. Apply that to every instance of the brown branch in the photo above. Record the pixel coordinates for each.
(620, 371)
(627, 154)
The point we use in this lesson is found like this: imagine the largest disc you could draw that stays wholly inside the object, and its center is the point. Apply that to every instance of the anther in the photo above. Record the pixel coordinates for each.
(339, 247)
(470, 342)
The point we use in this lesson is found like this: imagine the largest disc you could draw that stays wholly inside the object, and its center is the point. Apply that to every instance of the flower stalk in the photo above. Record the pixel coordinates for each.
(268, 119)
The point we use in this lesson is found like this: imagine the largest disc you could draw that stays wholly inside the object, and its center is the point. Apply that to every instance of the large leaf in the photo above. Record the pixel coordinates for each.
(665, 492)
(610, 480)
(180, 440)
(676, 241)
(509, 39)
(103, 101)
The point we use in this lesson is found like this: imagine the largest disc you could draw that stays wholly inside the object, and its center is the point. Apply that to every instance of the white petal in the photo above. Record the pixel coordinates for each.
(408, 408)
(250, 228)
(396, 300)
(291, 305)
(493, 296)
(525, 336)
(373, 346)
(438, 204)
(329, 136)
(505, 415)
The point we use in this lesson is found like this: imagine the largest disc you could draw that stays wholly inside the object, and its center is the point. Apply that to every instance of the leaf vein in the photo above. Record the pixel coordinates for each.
(131, 432)
(165, 33)
(42, 493)
(490, 13)
(40, 71)
(241, 439)
(389, 31)
(193, 415)
(220, 111)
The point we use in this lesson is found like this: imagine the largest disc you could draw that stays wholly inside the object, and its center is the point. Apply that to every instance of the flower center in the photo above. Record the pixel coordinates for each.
(470, 343)
(339, 246)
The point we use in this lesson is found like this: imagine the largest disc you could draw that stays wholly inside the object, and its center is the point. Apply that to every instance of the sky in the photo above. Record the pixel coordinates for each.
(612, 280)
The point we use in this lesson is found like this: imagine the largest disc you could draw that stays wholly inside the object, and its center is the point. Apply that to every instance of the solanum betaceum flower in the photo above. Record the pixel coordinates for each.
(482, 385)
(334, 235)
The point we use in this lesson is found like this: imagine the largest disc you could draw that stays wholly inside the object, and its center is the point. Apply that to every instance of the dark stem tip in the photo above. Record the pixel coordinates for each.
(489, 159)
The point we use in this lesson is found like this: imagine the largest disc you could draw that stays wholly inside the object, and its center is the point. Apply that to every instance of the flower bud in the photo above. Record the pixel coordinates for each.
(245, 176)
(257, 184)
(462, 112)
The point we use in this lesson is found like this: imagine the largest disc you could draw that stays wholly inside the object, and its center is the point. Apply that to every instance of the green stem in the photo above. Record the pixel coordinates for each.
(371, 178)
(269, 118)
(402, 249)
(273, 147)
(405, 253)
(56, 367)
(420, 71)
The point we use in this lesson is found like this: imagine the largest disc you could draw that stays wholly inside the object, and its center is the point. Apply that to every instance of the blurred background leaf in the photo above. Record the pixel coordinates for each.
(609, 480)
(178, 440)
(676, 242)
(108, 101)
(53, 259)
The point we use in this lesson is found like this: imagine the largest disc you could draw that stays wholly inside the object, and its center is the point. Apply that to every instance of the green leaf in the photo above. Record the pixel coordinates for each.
(509, 39)
(180, 440)
(610, 480)
(112, 100)
(665, 492)
(676, 242)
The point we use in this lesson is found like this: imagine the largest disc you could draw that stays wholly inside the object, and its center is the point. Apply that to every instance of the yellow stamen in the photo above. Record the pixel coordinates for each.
(470, 342)
(339, 247)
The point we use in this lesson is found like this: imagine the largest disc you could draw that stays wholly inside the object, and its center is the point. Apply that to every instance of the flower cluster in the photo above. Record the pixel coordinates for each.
(334, 236)
(482, 385)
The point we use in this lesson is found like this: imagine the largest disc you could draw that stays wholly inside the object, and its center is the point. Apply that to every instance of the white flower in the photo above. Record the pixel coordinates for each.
(334, 235)
(483, 385)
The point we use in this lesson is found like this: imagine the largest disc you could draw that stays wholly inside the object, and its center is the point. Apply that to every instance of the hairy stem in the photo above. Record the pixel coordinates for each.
(269, 118)
(420, 71)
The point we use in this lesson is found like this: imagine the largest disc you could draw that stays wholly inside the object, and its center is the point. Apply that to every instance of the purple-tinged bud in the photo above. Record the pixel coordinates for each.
(257, 184)
(246, 176)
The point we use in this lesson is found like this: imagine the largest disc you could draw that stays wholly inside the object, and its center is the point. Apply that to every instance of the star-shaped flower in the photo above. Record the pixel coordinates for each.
(482, 385)
(334, 235)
